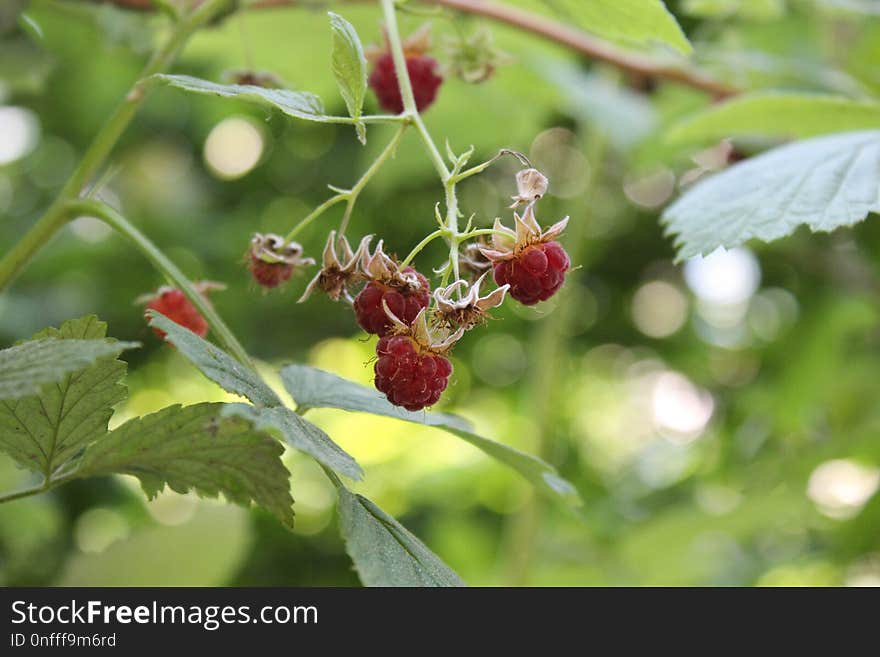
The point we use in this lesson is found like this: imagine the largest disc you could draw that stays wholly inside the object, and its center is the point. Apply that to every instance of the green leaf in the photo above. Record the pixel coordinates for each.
(300, 434)
(756, 10)
(43, 431)
(298, 104)
(383, 551)
(27, 367)
(215, 363)
(270, 413)
(314, 388)
(349, 68)
(777, 115)
(823, 183)
(637, 22)
(197, 448)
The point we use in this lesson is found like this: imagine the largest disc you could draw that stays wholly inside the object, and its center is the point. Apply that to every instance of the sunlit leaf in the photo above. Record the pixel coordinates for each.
(823, 183)
(777, 115)
(314, 388)
(196, 448)
(630, 21)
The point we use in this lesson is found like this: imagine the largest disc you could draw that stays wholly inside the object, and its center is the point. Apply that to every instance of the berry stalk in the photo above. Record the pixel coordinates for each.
(57, 215)
(350, 196)
(409, 104)
(441, 232)
(48, 484)
(175, 277)
(355, 191)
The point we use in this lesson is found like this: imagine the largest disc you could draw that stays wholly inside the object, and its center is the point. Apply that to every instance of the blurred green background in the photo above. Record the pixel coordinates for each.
(719, 417)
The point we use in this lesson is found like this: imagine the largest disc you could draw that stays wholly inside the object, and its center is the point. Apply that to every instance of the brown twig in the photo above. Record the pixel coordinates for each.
(548, 28)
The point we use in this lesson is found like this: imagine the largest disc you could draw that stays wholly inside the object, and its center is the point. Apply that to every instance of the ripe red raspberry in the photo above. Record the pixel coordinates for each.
(422, 74)
(172, 303)
(535, 274)
(408, 377)
(404, 302)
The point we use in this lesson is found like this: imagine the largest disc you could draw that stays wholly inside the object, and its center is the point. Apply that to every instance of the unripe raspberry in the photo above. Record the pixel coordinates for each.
(405, 301)
(535, 274)
(172, 303)
(423, 76)
(409, 376)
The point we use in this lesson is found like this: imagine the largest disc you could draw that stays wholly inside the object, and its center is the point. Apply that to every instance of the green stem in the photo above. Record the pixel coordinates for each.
(56, 215)
(476, 232)
(351, 195)
(396, 45)
(479, 168)
(176, 277)
(452, 227)
(27, 492)
(314, 214)
(410, 109)
(441, 232)
(47, 485)
(433, 151)
(406, 93)
(37, 237)
(369, 118)
(355, 191)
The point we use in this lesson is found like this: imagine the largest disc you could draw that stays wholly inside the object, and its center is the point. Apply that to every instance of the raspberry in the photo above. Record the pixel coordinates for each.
(409, 378)
(172, 303)
(422, 74)
(269, 274)
(535, 274)
(272, 259)
(404, 302)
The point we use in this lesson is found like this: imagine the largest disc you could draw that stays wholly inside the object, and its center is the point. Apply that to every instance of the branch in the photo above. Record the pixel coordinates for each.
(588, 45)
(542, 26)
(160, 261)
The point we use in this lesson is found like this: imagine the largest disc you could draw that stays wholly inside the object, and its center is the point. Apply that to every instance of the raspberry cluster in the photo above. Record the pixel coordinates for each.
(535, 274)
(391, 299)
(408, 376)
